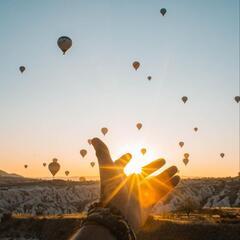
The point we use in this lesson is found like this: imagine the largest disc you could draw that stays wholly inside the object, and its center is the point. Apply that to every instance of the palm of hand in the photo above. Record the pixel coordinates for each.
(133, 195)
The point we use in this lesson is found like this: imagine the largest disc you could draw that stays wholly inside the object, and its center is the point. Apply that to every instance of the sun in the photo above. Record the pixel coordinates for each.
(133, 167)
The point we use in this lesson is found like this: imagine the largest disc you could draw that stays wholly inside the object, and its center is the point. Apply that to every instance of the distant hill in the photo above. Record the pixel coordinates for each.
(5, 174)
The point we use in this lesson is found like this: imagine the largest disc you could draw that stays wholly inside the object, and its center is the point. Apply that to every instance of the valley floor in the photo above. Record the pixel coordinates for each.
(61, 227)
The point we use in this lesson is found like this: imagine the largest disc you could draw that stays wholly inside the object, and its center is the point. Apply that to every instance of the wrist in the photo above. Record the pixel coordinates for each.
(110, 218)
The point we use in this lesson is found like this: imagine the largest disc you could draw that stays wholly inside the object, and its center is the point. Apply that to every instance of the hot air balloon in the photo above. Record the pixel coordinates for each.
(64, 43)
(195, 129)
(104, 131)
(139, 126)
(163, 11)
(237, 99)
(222, 155)
(54, 166)
(149, 78)
(143, 151)
(181, 144)
(185, 161)
(22, 69)
(67, 173)
(184, 99)
(92, 164)
(82, 179)
(89, 141)
(136, 65)
(44, 164)
(186, 155)
(83, 152)
(25, 166)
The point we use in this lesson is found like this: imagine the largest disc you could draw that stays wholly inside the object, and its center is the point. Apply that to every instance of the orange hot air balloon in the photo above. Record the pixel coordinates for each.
(186, 155)
(83, 152)
(222, 155)
(104, 131)
(184, 99)
(181, 144)
(44, 164)
(92, 164)
(139, 126)
(163, 11)
(149, 78)
(195, 129)
(185, 161)
(64, 43)
(54, 166)
(67, 173)
(136, 65)
(237, 99)
(25, 166)
(143, 151)
(22, 69)
(89, 141)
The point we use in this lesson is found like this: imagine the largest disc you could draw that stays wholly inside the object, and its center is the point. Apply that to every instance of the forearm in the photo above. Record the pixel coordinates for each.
(93, 232)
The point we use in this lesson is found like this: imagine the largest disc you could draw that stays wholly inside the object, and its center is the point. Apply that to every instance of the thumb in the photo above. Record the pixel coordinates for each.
(102, 152)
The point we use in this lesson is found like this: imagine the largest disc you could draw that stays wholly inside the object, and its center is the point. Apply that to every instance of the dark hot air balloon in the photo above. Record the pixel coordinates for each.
(181, 144)
(222, 155)
(83, 152)
(237, 99)
(185, 161)
(64, 43)
(136, 65)
(104, 131)
(139, 126)
(163, 11)
(184, 99)
(54, 166)
(22, 69)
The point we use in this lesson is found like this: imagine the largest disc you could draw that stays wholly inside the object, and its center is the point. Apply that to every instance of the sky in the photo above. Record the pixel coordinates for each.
(59, 102)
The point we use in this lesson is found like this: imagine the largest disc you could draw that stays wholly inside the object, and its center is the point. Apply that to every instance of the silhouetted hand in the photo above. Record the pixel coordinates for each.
(133, 195)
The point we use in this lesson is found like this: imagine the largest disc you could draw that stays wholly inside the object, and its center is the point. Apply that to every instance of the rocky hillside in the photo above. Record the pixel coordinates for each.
(202, 193)
(58, 197)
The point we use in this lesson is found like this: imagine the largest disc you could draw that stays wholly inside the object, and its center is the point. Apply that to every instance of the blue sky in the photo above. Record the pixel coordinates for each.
(61, 101)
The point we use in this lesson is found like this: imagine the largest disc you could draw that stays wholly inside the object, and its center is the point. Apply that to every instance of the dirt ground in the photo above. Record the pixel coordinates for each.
(62, 227)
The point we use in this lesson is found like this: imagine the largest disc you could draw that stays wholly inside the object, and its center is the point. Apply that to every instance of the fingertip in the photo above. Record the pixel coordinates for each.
(97, 143)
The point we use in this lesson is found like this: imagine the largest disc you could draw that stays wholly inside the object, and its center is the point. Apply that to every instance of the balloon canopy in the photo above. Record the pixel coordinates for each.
(185, 161)
(163, 11)
(64, 43)
(104, 131)
(237, 99)
(139, 126)
(54, 166)
(143, 151)
(83, 152)
(184, 99)
(22, 69)
(181, 144)
(136, 65)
